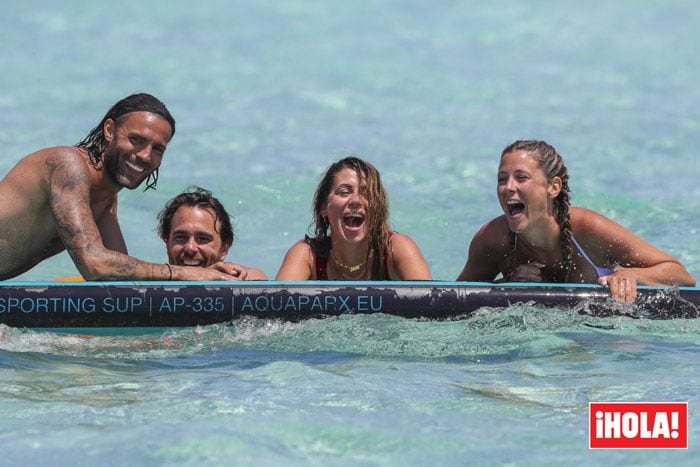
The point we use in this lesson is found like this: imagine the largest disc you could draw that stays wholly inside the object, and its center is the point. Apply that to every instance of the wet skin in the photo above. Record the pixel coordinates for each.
(527, 199)
(347, 210)
(56, 199)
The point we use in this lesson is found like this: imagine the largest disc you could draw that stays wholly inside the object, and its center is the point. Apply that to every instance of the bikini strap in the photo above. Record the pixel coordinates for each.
(598, 270)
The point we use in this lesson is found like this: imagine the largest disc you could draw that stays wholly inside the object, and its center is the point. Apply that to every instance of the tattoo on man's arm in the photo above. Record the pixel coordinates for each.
(70, 201)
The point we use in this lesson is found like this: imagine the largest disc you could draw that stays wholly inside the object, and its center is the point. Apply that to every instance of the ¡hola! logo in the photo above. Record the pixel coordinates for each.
(638, 425)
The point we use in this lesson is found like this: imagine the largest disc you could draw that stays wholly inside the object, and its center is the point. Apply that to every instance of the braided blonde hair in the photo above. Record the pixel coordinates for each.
(552, 164)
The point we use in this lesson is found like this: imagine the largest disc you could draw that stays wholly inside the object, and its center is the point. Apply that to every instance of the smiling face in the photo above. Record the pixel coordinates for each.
(525, 194)
(194, 238)
(346, 207)
(135, 147)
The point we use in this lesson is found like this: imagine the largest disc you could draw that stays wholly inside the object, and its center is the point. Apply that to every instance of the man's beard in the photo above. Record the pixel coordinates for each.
(113, 158)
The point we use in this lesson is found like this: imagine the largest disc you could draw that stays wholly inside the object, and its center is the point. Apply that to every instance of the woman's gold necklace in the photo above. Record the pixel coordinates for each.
(350, 269)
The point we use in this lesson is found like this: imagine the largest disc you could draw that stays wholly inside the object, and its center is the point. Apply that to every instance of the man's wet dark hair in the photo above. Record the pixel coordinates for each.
(201, 198)
(95, 143)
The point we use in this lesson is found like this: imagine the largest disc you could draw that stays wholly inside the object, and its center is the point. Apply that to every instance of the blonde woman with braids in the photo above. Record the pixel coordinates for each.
(352, 236)
(540, 238)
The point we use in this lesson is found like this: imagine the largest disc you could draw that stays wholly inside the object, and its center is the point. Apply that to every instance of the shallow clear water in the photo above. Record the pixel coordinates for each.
(266, 94)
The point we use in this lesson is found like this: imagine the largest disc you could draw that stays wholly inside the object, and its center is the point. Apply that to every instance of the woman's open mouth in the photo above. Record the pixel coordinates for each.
(515, 207)
(353, 221)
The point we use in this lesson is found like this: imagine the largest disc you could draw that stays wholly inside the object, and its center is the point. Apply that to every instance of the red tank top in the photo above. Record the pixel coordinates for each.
(322, 265)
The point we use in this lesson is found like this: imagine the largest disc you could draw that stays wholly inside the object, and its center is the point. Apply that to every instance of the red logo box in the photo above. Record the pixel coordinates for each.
(638, 425)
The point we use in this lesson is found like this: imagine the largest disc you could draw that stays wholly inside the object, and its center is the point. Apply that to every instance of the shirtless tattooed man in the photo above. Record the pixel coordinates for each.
(65, 198)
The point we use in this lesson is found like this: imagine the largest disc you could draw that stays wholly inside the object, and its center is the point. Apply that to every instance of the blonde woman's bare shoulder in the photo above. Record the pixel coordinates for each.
(493, 235)
(588, 222)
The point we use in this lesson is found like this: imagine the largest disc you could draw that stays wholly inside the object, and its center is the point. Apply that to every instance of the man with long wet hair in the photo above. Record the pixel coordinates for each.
(65, 198)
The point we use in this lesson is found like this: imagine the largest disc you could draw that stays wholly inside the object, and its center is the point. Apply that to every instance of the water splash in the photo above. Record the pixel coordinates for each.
(487, 333)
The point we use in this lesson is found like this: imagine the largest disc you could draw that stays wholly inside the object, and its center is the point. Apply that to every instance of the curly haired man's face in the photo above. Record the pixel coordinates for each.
(194, 238)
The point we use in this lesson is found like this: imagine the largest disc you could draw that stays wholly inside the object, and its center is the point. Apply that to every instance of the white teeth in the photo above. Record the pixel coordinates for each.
(513, 201)
(186, 262)
(135, 167)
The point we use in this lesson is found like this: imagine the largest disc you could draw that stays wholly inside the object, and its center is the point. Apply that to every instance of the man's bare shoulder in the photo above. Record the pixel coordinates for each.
(42, 162)
(53, 152)
(26, 219)
(28, 178)
(59, 155)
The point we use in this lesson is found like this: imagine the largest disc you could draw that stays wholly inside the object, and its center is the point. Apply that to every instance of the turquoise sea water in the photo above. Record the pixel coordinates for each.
(266, 94)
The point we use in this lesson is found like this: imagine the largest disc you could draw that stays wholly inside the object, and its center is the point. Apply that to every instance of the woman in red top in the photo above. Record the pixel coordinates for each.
(352, 236)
